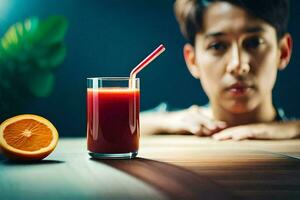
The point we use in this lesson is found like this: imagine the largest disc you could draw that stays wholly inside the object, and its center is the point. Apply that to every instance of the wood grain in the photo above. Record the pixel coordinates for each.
(248, 169)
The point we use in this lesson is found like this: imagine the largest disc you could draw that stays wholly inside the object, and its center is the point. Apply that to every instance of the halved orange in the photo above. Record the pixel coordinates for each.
(27, 137)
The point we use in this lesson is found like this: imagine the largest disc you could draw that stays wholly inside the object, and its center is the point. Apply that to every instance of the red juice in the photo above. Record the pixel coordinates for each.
(113, 120)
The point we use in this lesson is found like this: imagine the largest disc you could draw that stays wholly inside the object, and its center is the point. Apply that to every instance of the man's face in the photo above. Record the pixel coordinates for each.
(237, 58)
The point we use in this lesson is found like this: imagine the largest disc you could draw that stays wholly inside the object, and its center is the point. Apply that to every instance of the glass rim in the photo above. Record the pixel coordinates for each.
(116, 78)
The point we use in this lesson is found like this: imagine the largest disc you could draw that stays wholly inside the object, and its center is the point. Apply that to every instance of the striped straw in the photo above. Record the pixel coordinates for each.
(147, 60)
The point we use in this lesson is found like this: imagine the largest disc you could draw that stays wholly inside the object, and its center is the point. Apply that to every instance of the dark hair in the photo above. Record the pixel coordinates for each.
(189, 14)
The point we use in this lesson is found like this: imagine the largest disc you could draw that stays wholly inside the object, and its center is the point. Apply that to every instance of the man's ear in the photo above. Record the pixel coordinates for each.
(285, 48)
(190, 60)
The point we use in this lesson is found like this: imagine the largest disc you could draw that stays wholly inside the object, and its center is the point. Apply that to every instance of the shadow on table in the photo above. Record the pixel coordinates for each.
(5, 161)
(174, 181)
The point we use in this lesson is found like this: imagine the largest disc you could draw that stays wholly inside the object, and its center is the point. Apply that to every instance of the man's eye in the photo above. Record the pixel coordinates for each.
(253, 43)
(218, 46)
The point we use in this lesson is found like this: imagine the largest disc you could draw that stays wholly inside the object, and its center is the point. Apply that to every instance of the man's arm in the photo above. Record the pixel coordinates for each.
(193, 120)
(273, 130)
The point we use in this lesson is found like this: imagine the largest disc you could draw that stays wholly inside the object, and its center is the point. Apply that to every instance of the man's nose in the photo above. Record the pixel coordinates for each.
(238, 64)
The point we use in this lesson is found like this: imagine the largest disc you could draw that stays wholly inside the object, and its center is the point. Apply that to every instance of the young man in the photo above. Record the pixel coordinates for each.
(235, 49)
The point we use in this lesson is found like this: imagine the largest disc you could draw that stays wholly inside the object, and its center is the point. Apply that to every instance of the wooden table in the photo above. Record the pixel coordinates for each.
(168, 167)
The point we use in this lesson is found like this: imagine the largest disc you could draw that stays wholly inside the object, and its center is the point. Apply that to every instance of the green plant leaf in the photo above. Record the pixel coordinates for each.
(10, 42)
(23, 40)
(53, 57)
(52, 30)
(18, 38)
(31, 50)
(41, 83)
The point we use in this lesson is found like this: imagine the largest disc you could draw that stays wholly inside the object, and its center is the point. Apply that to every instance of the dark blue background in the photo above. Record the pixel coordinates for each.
(109, 37)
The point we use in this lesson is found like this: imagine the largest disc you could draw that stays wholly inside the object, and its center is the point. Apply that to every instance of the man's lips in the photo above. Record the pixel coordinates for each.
(239, 88)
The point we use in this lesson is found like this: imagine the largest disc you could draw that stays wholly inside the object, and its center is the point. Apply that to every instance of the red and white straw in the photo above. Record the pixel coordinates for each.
(147, 60)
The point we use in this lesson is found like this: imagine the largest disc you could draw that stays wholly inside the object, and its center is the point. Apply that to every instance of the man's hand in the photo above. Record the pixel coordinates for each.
(274, 130)
(193, 120)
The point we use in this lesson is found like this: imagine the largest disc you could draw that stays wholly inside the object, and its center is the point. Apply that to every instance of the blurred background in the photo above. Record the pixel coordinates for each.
(108, 38)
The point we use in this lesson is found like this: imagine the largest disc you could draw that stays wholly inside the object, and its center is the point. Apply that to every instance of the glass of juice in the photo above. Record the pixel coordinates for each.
(113, 107)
